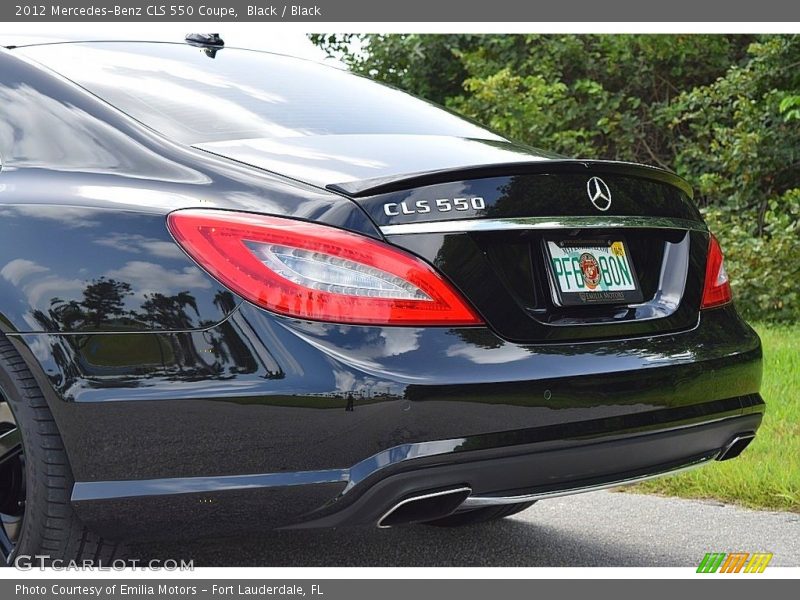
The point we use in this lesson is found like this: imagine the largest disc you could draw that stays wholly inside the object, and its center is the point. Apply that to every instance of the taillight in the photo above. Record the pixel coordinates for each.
(312, 271)
(717, 289)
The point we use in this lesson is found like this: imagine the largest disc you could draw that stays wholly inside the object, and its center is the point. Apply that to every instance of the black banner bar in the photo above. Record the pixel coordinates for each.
(407, 11)
(730, 588)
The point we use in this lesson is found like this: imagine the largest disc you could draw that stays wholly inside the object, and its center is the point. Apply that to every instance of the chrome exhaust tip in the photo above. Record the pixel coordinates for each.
(424, 507)
(736, 446)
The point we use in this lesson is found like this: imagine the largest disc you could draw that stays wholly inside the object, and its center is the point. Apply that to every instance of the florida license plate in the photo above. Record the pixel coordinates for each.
(586, 272)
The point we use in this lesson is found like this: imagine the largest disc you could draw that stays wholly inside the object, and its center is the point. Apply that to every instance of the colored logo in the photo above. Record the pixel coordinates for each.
(590, 269)
(599, 194)
(734, 562)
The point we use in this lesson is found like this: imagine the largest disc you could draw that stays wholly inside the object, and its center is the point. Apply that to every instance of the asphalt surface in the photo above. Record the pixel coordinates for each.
(609, 529)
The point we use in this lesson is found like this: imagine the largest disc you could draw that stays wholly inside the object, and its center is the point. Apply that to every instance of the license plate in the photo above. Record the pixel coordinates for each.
(585, 272)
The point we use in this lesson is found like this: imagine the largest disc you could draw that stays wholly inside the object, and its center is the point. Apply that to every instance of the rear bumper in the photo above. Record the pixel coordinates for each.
(537, 471)
(365, 493)
(286, 424)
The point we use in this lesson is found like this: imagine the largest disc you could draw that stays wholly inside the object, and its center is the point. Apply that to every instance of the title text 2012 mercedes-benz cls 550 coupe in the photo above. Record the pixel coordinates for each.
(241, 292)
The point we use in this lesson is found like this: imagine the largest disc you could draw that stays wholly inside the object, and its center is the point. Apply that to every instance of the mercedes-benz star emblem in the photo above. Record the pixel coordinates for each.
(599, 193)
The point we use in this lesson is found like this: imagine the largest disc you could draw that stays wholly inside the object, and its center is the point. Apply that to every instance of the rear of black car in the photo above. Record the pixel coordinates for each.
(527, 325)
(611, 387)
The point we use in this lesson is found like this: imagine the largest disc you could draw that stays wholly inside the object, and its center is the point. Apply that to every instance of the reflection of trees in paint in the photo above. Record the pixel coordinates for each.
(103, 304)
(169, 344)
(103, 308)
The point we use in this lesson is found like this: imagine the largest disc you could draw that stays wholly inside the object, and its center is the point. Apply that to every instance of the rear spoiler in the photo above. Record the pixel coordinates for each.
(394, 183)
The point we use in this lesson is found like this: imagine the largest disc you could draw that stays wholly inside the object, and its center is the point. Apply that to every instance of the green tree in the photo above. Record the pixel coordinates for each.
(738, 141)
(425, 65)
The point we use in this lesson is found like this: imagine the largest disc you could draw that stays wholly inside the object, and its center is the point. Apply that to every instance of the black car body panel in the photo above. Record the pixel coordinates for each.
(81, 269)
(318, 414)
(177, 399)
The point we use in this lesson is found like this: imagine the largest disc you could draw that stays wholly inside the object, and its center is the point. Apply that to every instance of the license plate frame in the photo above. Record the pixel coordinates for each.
(604, 250)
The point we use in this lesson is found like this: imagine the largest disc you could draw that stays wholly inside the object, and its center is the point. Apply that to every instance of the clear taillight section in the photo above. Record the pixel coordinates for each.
(313, 271)
(327, 273)
(717, 289)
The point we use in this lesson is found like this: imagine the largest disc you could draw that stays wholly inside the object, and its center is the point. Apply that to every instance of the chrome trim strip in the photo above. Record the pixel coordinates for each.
(480, 501)
(523, 223)
(459, 490)
(352, 476)
(114, 490)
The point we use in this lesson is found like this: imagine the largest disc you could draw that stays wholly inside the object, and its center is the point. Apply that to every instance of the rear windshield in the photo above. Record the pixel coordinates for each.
(182, 92)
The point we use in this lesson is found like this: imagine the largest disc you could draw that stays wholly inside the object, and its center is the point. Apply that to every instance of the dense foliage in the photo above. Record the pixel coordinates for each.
(723, 111)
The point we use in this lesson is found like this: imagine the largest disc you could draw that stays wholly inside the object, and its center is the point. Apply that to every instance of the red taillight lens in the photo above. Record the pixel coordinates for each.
(312, 271)
(717, 289)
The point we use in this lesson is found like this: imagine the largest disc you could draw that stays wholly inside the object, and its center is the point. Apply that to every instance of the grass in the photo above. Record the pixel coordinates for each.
(767, 474)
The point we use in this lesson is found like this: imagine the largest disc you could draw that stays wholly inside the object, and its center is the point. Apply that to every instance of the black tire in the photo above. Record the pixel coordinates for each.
(49, 526)
(480, 515)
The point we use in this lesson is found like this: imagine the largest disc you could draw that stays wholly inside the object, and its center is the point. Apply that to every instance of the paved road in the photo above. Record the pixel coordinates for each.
(598, 529)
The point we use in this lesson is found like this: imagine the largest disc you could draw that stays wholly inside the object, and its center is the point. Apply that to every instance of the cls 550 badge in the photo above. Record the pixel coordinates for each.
(442, 205)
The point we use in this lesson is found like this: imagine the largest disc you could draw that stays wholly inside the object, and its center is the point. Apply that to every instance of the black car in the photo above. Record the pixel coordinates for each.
(241, 291)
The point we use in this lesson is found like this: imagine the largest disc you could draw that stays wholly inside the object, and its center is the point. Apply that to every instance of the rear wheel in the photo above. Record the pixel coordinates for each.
(480, 515)
(12, 480)
(36, 517)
